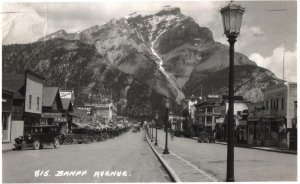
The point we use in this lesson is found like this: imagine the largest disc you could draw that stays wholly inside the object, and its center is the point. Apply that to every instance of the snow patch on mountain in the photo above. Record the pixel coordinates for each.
(155, 23)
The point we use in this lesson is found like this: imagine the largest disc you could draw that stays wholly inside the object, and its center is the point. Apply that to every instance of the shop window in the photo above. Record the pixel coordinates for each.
(208, 130)
(5, 117)
(277, 103)
(38, 103)
(30, 98)
(267, 104)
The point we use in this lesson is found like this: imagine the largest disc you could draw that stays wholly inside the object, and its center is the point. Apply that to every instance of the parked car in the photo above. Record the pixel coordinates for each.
(39, 136)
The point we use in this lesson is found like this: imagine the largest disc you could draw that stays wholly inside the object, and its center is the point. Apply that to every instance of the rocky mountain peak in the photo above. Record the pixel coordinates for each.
(169, 11)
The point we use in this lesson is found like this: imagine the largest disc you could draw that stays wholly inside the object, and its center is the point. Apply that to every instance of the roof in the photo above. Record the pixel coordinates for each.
(14, 82)
(35, 74)
(8, 89)
(49, 94)
(66, 103)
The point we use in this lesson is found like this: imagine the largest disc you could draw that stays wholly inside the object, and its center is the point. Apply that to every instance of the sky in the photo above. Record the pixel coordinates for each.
(268, 34)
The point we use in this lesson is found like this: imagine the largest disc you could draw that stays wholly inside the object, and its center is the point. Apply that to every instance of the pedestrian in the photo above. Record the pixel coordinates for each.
(172, 134)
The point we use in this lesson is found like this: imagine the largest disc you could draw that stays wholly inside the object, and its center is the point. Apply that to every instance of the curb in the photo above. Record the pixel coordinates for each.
(257, 148)
(7, 150)
(174, 177)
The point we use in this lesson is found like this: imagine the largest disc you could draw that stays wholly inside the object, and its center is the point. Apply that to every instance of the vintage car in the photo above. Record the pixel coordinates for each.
(39, 136)
(84, 135)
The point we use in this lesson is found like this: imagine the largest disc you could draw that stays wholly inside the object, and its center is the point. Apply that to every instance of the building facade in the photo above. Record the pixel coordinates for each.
(279, 101)
(103, 113)
(7, 108)
(207, 112)
(27, 100)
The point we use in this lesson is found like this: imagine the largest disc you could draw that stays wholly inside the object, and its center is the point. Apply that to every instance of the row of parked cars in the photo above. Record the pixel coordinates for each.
(50, 135)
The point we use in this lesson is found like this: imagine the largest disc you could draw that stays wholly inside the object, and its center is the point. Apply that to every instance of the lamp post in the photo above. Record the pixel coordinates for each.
(232, 21)
(167, 105)
(156, 121)
(152, 124)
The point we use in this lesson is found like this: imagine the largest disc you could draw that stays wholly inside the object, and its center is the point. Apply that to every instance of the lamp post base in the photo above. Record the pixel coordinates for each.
(166, 151)
(229, 179)
(155, 144)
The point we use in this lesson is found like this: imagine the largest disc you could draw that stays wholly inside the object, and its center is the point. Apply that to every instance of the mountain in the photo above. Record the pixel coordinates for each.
(167, 52)
(80, 67)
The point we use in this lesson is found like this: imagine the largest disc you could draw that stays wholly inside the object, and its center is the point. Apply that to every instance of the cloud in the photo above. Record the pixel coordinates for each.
(275, 63)
(22, 24)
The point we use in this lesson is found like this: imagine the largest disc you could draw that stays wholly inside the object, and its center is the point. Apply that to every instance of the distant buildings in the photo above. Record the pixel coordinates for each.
(210, 115)
(271, 122)
(103, 113)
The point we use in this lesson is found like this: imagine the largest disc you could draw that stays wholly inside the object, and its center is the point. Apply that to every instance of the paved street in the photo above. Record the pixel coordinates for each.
(250, 164)
(129, 154)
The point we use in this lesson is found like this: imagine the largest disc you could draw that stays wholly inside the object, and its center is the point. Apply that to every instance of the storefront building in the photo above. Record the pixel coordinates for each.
(52, 108)
(279, 103)
(27, 100)
(7, 108)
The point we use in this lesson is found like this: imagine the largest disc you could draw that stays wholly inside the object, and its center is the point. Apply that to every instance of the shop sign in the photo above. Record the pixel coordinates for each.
(51, 115)
(60, 119)
(220, 120)
(65, 94)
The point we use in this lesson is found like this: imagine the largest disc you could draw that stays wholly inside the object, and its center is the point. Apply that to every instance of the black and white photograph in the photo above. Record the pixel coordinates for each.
(149, 91)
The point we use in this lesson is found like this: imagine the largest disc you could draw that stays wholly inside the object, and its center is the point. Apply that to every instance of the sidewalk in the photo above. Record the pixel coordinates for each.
(272, 149)
(6, 147)
(179, 169)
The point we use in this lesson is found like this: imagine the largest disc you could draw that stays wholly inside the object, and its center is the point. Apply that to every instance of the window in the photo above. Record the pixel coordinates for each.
(209, 119)
(267, 104)
(271, 104)
(282, 103)
(209, 109)
(277, 103)
(30, 98)
(37, 103)
(203, 119)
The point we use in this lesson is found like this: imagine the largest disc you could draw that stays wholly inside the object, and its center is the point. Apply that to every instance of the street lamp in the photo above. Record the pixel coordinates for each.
(167, 105)
(156, 121)
(232, 21)
(152, 124)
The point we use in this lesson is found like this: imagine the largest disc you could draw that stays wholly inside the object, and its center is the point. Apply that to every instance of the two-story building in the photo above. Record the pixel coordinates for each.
(27, 100)
(207, 112)
(279, 101)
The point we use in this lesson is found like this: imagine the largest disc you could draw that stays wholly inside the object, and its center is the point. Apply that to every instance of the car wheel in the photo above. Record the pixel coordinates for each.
(18, 147)
(93, 139)
(36, 145)
(87, 140)
(68, 140)
(56, 143)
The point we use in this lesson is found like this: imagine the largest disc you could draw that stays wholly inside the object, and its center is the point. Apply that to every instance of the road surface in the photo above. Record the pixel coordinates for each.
(129, 155)
(250, 164)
